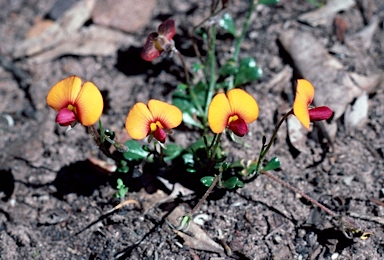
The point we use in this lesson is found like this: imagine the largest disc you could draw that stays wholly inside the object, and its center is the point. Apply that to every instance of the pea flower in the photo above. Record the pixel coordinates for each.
(160, 41)
(234, 110)
(155, 119)
(304, 97)
(76, 102)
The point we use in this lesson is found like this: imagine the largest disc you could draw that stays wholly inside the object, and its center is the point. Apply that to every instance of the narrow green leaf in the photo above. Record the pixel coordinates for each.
(273, 164)
(207, 180)
(248, 71)
(227, 23)
(268, 2)
(135, 152)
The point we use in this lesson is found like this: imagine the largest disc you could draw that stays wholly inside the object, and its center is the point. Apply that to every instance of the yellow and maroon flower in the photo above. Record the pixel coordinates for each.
(76, 102)
(234, 110)
(304, 97)
(160, 41)
(156, 119)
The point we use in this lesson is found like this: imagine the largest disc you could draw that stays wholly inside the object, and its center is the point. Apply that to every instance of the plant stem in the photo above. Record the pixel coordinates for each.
(193, 31)
(212, 68)
(188, 82)
(265, 151)
(213, 151)
(239, 40)
(206, 194)
(296, 190)
(100, 143)
(348, 226)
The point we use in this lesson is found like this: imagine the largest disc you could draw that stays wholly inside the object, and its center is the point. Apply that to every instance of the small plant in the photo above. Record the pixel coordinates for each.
(213, 105)
(121, 189)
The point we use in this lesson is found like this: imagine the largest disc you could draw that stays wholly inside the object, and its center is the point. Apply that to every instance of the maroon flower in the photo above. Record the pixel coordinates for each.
(160, 41)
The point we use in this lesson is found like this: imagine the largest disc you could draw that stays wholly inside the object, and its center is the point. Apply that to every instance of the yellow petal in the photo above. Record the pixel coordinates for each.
(305, 91)
(138, 121)
(64, 93)
(243, 105)
(89, 104)
(219, 112)
(169, 116)
(304, 96)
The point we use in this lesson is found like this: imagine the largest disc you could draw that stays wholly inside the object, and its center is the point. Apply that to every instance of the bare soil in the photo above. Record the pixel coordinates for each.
(53, 199)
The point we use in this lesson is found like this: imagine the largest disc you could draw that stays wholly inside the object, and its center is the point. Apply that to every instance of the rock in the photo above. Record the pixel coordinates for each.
(128, 15)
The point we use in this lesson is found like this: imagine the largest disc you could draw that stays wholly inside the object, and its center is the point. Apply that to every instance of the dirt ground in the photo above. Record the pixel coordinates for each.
(54, 198)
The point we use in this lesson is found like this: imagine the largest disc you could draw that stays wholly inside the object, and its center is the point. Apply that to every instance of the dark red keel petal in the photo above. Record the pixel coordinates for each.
(65, 117)
(160, 134)
(238, 127)
(320, 113)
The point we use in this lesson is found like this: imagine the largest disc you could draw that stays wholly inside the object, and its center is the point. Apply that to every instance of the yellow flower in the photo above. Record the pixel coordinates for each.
(76, 102)
(155, 119)
(304, 97)
(234, 110)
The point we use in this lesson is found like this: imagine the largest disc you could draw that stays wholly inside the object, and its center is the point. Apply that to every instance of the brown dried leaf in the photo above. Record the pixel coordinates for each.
(198, 239)
(325, 15)
(93, 40)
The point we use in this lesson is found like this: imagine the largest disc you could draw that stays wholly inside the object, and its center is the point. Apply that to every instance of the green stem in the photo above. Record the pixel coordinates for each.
(239, 40)
(212, 68)
(188, 81)
(265, 151)
(213, 151)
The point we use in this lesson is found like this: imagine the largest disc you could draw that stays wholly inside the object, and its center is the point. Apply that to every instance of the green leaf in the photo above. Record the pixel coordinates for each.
(273, 164)
(248, 71)
(233, 182)
(135, 152)
(196, 66)
(229, 68)
(185, 104)
(268, 2)
(207, 180)
(123, 169)
(227, 23)
(200, 143)
(189, 120)
(172, 151)
(120, 183)
(189, 162)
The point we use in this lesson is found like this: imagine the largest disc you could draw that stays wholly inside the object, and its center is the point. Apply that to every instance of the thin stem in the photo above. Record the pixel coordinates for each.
(294, 189)
(213, 151)
(239, 40)
(193, 32)
(206, 194)
(188, 81)
(265, 151)
(212, 68)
